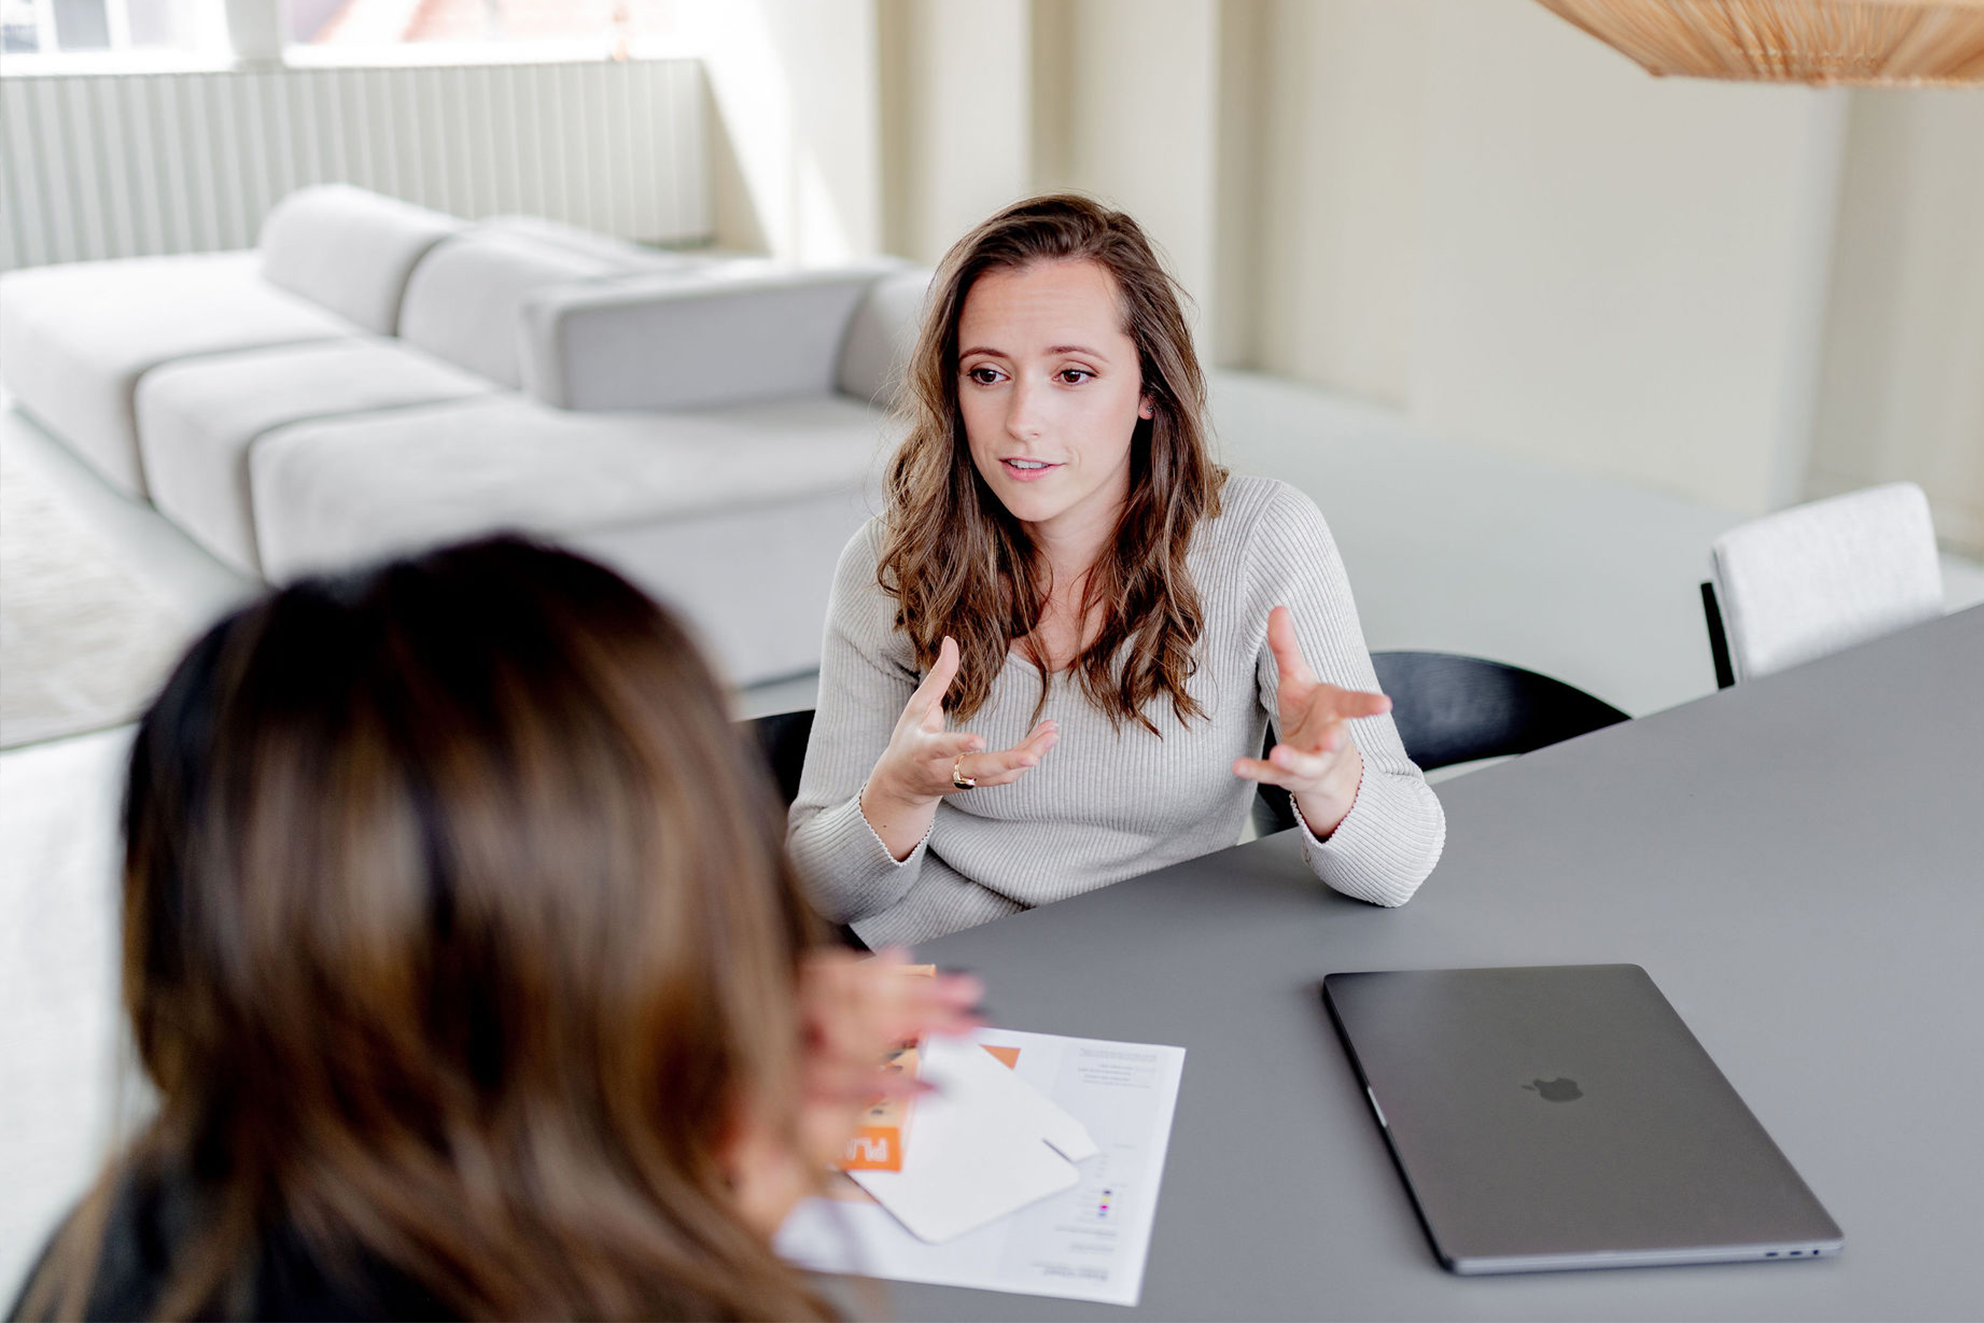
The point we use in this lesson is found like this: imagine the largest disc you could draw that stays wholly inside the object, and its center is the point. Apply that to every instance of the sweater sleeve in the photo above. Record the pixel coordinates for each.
(1388, 843)
(866, 677)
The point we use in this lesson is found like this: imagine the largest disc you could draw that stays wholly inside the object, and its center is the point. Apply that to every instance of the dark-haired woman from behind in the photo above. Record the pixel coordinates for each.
(459, 942)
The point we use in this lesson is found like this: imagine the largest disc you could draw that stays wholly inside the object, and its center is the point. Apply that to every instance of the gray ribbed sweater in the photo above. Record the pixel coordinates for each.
(1105, 803)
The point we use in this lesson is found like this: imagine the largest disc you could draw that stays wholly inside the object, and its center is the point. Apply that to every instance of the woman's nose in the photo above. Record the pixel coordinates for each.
(1023, 411)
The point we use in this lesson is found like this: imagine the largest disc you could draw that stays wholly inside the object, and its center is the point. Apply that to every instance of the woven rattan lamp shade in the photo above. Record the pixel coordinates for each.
(1868, 43)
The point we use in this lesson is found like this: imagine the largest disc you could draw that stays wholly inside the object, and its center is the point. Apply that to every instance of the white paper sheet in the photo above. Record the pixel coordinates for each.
(1089, 1243)
(984, 1146)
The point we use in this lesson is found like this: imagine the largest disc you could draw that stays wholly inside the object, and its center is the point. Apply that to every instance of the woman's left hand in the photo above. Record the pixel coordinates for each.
(1316, 761)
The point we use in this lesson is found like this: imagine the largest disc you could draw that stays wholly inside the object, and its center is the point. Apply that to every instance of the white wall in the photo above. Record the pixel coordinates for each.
(992, 100)
(1141, 124)
(1478, 213)
(957, 117)
(1240, 150)
(1468, 209)
(1340, 198)
(795, 86)
(1903, 386)
(1738, 293)
(1619, 274)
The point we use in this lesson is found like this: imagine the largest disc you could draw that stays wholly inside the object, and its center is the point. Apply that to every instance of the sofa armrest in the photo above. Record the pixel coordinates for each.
(689, 341)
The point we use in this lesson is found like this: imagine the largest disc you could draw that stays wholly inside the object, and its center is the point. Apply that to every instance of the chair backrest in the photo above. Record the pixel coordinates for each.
(1807, 581)
(1718, 638)
(1453, 709)
(782, 738)
(1449, 709)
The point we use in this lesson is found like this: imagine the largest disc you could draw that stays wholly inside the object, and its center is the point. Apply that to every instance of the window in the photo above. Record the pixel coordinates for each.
(119, 36)
(606, 26)
(112, 27)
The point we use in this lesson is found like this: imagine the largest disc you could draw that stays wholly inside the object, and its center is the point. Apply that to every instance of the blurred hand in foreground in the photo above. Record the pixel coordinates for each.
(854, 1011)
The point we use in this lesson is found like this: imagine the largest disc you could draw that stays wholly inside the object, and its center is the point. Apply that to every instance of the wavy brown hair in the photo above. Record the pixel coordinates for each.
(958, 563)
(457, 933)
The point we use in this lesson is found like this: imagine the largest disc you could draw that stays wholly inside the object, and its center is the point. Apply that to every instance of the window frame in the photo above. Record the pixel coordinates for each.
(241, 16)
(211, 51)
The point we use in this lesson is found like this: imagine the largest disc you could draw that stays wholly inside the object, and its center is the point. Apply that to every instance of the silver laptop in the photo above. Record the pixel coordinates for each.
(1564, 1117)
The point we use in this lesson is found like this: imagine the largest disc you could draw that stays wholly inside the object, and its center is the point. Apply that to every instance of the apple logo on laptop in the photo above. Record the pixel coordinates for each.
(1564, 1090)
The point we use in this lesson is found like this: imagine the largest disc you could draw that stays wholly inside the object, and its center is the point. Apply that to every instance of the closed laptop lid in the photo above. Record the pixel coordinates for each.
(1564, 1117)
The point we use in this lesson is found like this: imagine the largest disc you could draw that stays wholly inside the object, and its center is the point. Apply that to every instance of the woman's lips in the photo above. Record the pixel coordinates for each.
(1018, 474)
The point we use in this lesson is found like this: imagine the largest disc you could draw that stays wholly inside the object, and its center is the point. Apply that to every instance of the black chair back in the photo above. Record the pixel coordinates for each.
(782, 737)
(1453, 709)
(1718, 638)
(1449, 709)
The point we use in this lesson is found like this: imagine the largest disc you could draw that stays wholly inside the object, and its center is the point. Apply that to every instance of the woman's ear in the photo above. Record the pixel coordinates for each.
(1146, 407)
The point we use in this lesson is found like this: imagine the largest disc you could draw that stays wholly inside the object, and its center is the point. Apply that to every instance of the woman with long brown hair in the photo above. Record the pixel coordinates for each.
(460, 945)
(1051, 662)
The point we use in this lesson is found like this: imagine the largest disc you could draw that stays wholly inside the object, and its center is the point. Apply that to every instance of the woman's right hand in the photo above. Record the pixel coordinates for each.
(916, 771)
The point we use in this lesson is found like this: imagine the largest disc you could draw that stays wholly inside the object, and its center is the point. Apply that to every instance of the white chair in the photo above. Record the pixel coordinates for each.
(1816, 578)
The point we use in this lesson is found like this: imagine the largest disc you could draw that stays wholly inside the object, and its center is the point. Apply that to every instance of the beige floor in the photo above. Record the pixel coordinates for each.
(1449, 547)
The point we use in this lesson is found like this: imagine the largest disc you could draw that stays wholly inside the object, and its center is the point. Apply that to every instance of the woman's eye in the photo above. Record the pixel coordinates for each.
(984, 376)
(1074, 376)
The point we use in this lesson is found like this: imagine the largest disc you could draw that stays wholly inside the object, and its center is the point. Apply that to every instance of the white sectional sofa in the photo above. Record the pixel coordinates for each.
(377, 378)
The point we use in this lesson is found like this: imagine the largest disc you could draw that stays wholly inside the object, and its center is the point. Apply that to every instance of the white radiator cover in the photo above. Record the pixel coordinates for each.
(127, 165)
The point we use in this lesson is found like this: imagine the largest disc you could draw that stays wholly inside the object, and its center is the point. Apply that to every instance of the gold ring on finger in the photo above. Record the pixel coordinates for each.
(958, 778)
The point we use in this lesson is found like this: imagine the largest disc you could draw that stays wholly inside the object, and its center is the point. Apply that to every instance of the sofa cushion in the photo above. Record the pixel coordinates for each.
(881, 334)
(349, 250)
(198, 420)
(754, 583)
(689, 341)
(635, 257)
(463, 302)
(331, 494)
(591, 243)
(75, 339)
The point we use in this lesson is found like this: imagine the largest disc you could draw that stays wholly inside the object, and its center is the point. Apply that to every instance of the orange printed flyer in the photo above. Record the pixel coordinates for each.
(1090, 1242)
(878, 1144)
(866, 1154)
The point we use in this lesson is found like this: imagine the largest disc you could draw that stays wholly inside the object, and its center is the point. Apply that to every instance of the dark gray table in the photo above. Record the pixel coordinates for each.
(1798, 862)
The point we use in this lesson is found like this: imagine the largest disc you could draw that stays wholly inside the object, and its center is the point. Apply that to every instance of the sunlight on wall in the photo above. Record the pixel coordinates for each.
(793, 82)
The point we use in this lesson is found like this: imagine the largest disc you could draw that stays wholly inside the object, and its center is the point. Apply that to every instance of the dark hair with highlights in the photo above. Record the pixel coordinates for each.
(457, 933)
(958, 563)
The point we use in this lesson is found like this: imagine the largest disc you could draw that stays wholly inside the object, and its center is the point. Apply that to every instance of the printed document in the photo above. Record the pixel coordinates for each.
(1085, 1243)
(987, 1145)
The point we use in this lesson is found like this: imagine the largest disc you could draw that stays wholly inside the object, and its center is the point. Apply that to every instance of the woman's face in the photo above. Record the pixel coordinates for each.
(1051, 391)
